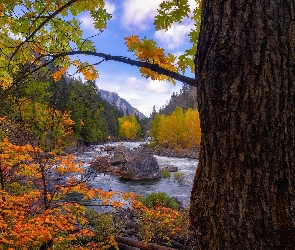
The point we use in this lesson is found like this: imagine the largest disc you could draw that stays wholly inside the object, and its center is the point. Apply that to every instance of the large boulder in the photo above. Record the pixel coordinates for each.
(136, 164)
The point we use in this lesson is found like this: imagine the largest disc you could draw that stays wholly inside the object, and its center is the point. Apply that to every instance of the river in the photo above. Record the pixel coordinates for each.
(174, 188)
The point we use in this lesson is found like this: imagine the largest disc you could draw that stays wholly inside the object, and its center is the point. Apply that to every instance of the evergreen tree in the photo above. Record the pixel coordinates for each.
(86, 109)
(154, 113)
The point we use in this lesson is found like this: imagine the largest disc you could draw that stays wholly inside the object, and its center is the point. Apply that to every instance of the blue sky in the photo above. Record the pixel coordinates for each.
(135, 17)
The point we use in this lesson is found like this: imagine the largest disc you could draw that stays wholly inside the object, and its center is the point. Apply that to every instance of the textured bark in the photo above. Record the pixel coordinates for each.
(243, 194)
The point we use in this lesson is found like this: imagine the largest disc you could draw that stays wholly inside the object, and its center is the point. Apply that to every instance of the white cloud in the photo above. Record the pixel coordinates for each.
(110, 7)
(16, 37)
(159, 87)
(176, 35)
(140, 93)
(87, 22)
(132, 98)
(133, 82)
(192, 4)
(178, 53)
(138, 14)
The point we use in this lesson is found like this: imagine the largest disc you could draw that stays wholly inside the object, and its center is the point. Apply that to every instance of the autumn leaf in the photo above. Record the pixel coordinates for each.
(58, 74)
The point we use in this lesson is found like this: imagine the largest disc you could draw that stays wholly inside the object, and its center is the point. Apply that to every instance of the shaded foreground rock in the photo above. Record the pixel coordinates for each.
(136, 164)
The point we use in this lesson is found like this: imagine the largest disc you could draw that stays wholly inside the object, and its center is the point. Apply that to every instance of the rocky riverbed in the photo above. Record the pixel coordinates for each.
(180, 162)
(157, 150)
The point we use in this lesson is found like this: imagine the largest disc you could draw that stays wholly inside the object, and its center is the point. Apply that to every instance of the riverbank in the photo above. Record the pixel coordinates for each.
(135, 226)
(183, 153)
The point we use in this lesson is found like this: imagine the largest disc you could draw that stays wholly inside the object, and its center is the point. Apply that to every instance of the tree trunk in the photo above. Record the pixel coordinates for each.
(243, 194)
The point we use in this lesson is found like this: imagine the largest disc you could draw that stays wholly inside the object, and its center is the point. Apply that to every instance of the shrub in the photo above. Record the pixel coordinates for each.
(104, 225)
(179, 176)
(177, 149)
(160, 199)
(160, 224)
(166, 173)
(152, 144)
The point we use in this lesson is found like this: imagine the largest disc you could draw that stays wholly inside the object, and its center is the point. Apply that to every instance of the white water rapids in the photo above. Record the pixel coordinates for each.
(171, 186)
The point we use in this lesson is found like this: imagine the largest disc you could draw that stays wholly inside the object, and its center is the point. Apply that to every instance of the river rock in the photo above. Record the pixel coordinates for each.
(139, 164)
(184, 153)
(170, 168)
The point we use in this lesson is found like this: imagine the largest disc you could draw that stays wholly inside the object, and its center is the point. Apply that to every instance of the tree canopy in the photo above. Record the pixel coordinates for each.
(46, 33)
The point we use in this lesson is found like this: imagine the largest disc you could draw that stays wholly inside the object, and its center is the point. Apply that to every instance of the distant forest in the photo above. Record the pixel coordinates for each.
(95, 120)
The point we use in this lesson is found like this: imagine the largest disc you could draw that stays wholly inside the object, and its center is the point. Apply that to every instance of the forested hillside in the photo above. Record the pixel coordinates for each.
(94, 119)
(186, 98)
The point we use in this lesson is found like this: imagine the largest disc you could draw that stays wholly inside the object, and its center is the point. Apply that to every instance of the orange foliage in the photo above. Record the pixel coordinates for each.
(89, 72)
(146, 50)
(34, 208)
(159, 223)
(48, 125)
(58, 74)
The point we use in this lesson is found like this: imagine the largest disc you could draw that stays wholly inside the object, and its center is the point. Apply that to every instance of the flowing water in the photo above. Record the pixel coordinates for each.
(174, 188)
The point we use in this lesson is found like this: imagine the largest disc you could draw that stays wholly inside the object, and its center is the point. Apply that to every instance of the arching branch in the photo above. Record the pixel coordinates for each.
(154, 67)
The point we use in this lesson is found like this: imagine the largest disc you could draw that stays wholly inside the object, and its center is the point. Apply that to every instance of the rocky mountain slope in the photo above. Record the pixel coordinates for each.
(114, 99)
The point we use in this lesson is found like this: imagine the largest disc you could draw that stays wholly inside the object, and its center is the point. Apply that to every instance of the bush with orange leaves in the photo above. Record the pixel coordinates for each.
(34, 207)
(36, 212)
(161, 224)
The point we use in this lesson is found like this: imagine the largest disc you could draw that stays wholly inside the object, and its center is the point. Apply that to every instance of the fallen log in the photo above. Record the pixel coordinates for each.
(140, 244)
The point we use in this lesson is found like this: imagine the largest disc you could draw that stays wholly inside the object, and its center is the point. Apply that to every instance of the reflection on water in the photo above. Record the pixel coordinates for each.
(145, 187)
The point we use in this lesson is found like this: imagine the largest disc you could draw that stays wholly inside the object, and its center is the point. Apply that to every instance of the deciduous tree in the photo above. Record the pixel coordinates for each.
(180, 129)
(128, 127)
(35, 210)
(192, 131)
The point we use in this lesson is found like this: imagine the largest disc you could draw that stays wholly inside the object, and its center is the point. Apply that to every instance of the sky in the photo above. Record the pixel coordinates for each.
(134, 17)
